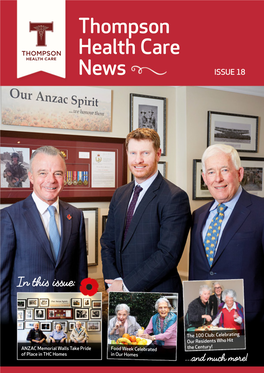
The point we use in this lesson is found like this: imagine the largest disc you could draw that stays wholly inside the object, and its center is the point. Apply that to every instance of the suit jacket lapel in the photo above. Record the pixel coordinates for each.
(33, 219)
(148, 197)
(122, 211)
(200, 224)
(66, 228)
(238, 216)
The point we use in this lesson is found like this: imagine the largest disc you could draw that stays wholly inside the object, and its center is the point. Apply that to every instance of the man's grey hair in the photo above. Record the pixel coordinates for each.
(46, 149)
(229, 293)
(218, 148)
(217, 283)
(204, 287)
(121, 307)
(162, 299)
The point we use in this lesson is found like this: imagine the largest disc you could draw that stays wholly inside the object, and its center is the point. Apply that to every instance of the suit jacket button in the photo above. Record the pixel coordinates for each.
(211, 273)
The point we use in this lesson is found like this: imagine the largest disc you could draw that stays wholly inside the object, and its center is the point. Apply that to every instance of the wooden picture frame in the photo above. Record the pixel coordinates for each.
(96, 166)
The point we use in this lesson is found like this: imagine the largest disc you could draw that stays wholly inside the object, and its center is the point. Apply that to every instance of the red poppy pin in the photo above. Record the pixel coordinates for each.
(89, 286)
(69, 217)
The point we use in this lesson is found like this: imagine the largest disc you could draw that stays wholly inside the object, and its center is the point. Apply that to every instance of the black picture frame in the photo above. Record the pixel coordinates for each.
(149, 111)
(253, 180)
(237, 130)
(91, 234)
(200, 190)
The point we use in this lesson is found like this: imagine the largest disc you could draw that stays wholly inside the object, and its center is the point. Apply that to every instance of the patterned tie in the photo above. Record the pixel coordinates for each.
(54, 233)
(131, 208)
(212, 234)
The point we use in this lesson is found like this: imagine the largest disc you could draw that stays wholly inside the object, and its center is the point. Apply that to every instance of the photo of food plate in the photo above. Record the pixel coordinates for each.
(130, 340)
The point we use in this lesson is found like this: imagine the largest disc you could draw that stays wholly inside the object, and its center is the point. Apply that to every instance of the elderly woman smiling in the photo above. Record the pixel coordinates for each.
(162, 325)
(199, 312)
(230, 313)
(123, 323)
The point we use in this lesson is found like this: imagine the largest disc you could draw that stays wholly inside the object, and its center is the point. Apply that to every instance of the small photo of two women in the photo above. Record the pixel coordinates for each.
(142, 326)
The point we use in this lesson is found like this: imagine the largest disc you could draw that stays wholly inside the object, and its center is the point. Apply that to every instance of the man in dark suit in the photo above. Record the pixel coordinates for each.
(29, 259)
(145, 255)
(239, 251)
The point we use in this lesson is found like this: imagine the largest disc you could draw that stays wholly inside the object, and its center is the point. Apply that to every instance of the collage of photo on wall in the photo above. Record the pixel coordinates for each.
(61, 325)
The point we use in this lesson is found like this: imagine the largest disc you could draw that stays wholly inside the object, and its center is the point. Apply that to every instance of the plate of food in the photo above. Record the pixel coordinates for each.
(130, 340)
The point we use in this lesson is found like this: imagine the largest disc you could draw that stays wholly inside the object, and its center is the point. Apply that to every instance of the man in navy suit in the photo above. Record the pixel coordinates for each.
(144, 256)
(240, 247)
(28, 263)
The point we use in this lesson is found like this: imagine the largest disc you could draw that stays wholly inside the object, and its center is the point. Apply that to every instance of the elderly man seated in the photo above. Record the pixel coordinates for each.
(58, 335)
(79, 334)
(230, 313)
(35, 335)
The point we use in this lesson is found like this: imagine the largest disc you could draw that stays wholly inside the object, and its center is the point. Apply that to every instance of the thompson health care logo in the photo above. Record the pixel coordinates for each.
(41, 37)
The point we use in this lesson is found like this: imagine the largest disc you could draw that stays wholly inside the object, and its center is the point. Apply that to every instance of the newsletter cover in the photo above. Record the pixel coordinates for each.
(78, 76)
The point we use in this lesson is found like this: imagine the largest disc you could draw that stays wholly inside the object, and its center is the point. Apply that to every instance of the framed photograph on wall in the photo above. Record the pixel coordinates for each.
(96, 304)
(239, 131)
(104, 220)
(93, 326)
(253, 175)
(63, 324)
(14, 167)
(149, 112)
(45, 326)
(86, 302)
(81, 314)
(200, 190)
(21, 303)
(162, 167)
(29, 314)
(95, 314)
(20, 325)
(44, 302)
(71, 325)
(96, 166)
(40, 313)
(59, 313)
(20, 315)
(91, 234)
(76, 302)
(32, 302)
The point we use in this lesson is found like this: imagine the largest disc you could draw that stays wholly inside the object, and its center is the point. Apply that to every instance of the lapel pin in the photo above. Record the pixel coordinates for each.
(69, 217)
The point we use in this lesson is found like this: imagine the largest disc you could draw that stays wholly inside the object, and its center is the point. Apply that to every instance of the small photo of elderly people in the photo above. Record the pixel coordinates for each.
(144, 319)
(214, 305)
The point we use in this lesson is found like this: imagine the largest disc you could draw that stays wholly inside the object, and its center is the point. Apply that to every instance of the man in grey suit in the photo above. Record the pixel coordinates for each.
(37, 256)
(143, 255)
